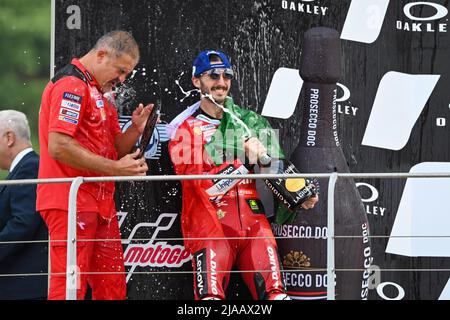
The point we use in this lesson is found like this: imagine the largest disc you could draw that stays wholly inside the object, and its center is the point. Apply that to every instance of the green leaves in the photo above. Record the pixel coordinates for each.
(24, 56)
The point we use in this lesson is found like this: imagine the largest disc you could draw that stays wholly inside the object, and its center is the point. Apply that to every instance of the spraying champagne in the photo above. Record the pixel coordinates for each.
(148, 130)
(290, 192)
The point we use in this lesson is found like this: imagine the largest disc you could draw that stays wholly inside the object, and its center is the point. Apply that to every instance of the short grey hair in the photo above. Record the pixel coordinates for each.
(119, 42)
(17, 122)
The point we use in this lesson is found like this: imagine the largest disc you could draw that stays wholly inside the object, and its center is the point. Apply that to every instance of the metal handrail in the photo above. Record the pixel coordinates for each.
(394, 175)
(72, 273)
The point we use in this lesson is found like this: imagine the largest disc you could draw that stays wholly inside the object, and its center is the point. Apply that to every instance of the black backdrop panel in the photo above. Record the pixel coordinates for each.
(260, 37)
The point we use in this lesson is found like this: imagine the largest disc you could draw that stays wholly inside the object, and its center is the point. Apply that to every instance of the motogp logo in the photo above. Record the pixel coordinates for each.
(154, 253)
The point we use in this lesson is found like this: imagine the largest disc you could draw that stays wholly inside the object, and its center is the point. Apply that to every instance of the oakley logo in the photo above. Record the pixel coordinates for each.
(342, 106)
(373, 191)
(432, 12)
(345, 93)
(373, 196)
(441, 11)
(400, 291)
(304, 7)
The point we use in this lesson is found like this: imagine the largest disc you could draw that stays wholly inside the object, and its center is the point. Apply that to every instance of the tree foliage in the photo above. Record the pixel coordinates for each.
(24, 57)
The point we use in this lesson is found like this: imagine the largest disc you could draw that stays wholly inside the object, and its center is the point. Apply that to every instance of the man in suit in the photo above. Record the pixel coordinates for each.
(19, 220)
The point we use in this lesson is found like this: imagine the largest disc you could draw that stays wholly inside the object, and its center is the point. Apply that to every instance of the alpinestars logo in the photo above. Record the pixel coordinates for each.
(423, 17)
(304, 6)
(153, 253)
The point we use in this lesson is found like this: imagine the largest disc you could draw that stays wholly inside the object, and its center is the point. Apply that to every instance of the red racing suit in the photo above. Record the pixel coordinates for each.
(220, 217)
(73, 104)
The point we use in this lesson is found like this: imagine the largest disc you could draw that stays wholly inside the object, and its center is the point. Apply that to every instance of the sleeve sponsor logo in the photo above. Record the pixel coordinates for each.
(67, 112)
(72, 97)
(67, 119)
(71, 105)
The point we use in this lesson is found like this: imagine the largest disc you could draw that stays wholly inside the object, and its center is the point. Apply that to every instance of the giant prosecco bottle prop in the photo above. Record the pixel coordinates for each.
(319, 151)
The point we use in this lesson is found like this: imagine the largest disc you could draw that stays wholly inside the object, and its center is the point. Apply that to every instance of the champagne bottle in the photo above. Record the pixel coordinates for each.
(319, 150)
(148, 130)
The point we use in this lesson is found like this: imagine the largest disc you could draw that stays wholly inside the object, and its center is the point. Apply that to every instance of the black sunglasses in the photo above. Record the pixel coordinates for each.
(214, 74)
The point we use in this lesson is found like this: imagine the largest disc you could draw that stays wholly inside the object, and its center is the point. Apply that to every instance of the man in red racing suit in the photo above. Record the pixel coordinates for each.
(79, 135)
(223, 221)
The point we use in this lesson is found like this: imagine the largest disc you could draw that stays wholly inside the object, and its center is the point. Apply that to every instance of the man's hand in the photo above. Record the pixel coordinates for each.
(311, 202)
(254, 149)
(140, 115)
(131, 165)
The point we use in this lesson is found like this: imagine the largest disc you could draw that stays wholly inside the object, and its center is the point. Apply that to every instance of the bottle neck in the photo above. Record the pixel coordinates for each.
(319, 124)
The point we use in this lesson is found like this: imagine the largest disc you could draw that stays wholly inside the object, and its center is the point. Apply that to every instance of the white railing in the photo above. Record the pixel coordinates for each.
(72, 272)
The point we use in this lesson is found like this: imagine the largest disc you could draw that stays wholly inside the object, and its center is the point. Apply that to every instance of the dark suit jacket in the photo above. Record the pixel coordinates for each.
(19, 221)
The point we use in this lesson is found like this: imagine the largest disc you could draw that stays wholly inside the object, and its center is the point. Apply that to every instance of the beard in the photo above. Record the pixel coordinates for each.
(219, 93)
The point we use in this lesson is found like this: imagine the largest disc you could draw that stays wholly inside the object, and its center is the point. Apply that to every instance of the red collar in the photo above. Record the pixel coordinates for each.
(91, 80)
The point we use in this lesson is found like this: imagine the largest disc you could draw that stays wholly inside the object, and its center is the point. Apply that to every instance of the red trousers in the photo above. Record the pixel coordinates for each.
(92, 256)
(257, 258)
